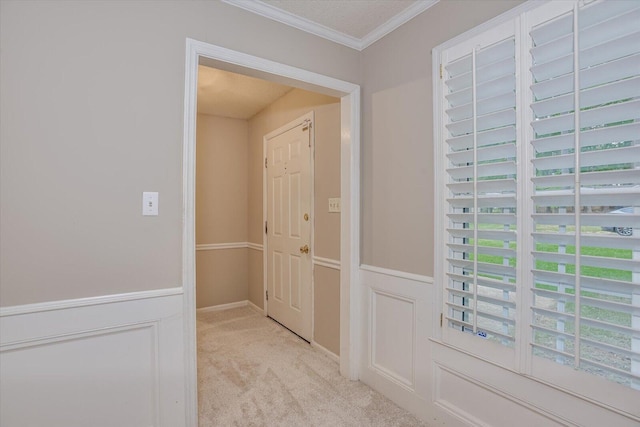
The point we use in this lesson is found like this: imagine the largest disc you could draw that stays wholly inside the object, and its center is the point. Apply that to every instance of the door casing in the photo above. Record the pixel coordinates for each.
(350, 292)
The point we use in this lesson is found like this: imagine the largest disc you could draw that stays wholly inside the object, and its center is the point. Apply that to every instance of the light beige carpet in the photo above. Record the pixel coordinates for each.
(254, 372)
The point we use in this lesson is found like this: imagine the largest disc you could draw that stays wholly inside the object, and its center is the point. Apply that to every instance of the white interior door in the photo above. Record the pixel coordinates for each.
(289, 245)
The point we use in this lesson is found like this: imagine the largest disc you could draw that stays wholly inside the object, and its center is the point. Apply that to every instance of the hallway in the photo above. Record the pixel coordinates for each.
(253, 372)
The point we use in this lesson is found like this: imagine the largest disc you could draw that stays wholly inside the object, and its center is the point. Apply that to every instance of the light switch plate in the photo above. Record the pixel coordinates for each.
(150, 203)
(334, 204)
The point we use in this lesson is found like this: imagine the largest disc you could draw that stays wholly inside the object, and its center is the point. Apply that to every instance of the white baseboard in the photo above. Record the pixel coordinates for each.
(255, 308)
(221, 307)
(331, 355)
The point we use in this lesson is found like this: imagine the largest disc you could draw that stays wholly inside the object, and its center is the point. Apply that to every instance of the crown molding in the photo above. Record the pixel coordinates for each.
(306, 25)
(403, 17)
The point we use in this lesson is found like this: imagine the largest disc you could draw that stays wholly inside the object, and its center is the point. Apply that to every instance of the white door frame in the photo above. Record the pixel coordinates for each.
(349, 94)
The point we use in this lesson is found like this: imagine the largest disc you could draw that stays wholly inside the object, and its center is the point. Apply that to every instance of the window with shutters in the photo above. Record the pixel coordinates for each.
(538, 192)
(481, 183)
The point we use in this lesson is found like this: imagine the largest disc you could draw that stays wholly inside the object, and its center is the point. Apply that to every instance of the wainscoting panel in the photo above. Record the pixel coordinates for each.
(480, 405)
(402, 358)
(395, 317)
(100, 362)
(393, 335)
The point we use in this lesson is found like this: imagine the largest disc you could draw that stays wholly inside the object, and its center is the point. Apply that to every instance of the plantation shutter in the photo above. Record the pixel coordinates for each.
(586, 189)
(481, 181)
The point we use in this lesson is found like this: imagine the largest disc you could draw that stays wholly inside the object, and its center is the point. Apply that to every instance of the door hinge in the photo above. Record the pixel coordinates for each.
(266, 161)
(440, 71)
(266, 228)
(308, 125)
(267, 293)
(441, 318)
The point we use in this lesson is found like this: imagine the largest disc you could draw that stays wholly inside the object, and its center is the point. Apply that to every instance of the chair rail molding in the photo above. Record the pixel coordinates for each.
(326, 262)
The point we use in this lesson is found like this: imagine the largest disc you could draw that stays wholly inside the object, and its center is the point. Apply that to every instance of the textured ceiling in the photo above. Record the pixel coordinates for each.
(356, 18)
(221, 93)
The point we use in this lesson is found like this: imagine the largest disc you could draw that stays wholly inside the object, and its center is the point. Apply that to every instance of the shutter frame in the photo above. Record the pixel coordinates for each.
(490, 304)
(583, 173)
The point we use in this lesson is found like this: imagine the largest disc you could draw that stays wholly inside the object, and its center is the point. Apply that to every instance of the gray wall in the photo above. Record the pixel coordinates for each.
(397, 145)
(91, 115)
(221, 209)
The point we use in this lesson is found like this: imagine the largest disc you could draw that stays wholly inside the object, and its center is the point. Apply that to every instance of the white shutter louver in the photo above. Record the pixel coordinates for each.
(481, 183)
(586, 190)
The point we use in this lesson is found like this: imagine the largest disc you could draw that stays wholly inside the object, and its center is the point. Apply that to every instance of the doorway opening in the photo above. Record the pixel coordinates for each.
(199, 53)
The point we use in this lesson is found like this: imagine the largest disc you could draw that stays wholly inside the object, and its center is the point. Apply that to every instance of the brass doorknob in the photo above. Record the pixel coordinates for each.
(304, 249)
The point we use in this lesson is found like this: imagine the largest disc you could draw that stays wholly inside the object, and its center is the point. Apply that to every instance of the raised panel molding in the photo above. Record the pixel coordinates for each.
(113, 360)
(399, 299)
(481, 405)
(393, 339)
(558, 406)
(63, 380)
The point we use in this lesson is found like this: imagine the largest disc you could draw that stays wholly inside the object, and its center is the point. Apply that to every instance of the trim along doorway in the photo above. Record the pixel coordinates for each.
(207, 54)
